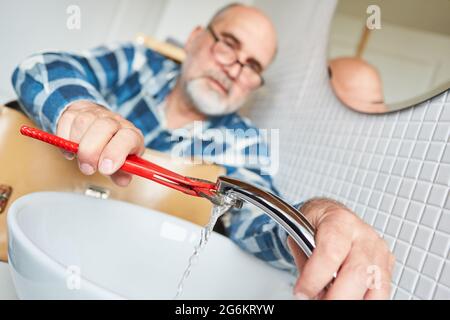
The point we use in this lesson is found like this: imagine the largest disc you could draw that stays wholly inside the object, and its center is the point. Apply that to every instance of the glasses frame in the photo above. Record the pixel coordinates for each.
(218, 40)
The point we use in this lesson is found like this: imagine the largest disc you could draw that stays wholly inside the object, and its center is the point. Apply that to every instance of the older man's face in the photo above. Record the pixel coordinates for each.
(216, 88)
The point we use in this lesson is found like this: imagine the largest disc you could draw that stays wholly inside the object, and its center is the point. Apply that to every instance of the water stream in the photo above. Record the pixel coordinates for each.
(216, 212)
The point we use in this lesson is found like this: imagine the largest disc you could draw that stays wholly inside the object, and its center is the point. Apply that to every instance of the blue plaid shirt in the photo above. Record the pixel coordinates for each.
(134, 82)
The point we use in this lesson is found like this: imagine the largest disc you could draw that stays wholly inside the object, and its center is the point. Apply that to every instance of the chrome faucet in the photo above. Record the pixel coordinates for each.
(289, 218)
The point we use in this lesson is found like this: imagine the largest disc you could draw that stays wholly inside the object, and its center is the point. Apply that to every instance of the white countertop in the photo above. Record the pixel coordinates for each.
(7, 291)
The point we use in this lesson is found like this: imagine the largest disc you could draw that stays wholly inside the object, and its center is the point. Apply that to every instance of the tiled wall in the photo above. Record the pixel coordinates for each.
(393, 170)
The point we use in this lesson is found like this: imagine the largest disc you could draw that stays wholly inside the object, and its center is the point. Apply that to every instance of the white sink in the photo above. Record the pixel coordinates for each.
(70, 246)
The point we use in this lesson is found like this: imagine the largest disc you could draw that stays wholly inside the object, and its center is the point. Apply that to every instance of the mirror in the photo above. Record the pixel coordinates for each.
(386, 55)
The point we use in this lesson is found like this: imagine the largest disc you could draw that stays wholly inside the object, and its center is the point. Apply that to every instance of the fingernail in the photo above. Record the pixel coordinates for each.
(106, 167)
(87, 169)
(301, 296)
(68, 155)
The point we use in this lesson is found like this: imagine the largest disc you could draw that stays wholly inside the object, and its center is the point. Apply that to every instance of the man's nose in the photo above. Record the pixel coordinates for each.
(233, 70)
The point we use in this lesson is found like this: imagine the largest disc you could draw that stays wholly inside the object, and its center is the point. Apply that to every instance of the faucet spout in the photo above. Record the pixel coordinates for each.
(289, 218)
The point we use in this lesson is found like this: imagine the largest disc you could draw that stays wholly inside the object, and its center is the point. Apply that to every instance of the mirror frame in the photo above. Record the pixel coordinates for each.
(393, 107)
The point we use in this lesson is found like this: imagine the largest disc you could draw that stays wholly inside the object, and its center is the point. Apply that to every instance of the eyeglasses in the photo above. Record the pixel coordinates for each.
(248, 76)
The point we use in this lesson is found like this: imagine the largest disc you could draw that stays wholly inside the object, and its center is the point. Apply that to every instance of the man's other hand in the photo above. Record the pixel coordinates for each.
(105, 139)
(346, 247)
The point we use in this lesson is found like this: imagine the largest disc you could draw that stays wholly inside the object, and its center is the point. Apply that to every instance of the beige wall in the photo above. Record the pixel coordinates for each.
(28, 26)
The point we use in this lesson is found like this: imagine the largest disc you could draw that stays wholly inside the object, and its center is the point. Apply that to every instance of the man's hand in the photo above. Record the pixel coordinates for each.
(105, 139)
(347, 247)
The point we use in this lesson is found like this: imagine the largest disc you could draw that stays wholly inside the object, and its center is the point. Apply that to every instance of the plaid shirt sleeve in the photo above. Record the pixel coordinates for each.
(253, 230)
(49, 82)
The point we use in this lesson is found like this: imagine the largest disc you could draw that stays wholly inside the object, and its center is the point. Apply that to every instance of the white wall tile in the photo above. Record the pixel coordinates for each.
(432, 266)
(402, 295)
(445, 276)
(435, 151)
(424, 288)
(443, 174)
(422, 191)
(440, 244)
(437, 196)
(401, 250)
(442, 132)
(413, 169)
(444, 222)
(415, 259)
(432, 113)
(423, 237)
(446, 155)
(431, 216)
(393, 226)
(442, 293)
(428, 171)
(445, 115)
(400, 207)
(420, 150)
(408, 279)
(407, 188)
(393, 185)
(426, 131)
(407, 231)
(415, 211)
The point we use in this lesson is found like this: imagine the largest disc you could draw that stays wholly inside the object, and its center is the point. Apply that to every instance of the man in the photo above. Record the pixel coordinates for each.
(113, 102)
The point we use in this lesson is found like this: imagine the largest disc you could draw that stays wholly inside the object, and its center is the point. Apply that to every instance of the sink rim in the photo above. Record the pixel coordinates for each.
(47, 265)
(16, 232)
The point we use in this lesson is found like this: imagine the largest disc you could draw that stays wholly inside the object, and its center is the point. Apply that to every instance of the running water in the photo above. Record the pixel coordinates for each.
(216, 212)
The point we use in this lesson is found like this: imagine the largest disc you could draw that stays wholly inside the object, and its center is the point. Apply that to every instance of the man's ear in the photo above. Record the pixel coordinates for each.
(192, 37)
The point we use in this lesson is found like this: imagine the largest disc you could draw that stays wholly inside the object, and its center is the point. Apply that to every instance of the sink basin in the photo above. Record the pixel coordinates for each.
(71, 246)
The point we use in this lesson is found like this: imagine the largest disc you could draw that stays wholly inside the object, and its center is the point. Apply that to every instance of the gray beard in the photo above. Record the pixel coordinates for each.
(206, 100)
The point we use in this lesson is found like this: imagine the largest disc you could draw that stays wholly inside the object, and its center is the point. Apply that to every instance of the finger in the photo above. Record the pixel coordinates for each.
(351, 282)
(121, 178)
(63, 131)
(321, 295)
(126, 141)
(93, 142)
(382, 291)
(333, 243)
(80, 124)
(65, 124)
(380, 282)
(299, 256)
